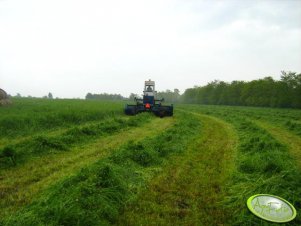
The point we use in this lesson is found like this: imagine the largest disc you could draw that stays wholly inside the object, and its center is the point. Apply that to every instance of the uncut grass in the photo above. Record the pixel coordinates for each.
(38, 145)
(97, 194)
(263, 165)
(21, 184)
(27, 116)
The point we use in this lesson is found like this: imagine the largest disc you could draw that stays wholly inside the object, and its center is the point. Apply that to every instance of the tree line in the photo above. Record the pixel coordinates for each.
(168, 95)
(266, 92)
(104, 96)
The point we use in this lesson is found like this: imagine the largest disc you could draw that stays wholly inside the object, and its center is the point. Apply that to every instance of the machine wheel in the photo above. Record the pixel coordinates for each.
(163, 111)
(130, 110)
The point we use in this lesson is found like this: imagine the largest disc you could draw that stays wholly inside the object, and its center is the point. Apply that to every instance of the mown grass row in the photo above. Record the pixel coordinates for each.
(38, 145)
(285, 118)
(263, 166)
(97, 194)
(293, 126)
(189, 189)
(289, 119)
(21, 184)
(26, 116)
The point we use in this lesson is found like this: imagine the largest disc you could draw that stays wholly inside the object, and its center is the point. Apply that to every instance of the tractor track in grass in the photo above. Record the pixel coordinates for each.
(191, 187)
(286, 137)
(18, 186)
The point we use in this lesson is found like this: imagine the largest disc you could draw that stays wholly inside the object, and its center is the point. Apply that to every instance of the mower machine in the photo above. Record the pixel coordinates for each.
(149, 103)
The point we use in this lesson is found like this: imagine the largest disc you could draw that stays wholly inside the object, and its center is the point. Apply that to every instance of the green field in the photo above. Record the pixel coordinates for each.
(80, 162)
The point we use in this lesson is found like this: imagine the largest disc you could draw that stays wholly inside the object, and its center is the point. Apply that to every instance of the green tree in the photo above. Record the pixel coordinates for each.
(265, 92)
(50, 96)
(133, 96)
(170, 96)
(89, 96)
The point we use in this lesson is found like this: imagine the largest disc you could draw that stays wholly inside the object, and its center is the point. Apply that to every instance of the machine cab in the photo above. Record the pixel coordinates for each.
(149, 92)
(149, 88)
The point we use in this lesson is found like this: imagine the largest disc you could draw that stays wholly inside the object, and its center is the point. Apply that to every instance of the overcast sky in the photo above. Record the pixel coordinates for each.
(71, 47)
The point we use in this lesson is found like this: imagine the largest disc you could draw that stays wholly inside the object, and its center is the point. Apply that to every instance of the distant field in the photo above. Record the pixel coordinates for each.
(78, 162)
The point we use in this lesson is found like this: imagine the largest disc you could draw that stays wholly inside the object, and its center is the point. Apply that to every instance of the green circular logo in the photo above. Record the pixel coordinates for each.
(271, 208)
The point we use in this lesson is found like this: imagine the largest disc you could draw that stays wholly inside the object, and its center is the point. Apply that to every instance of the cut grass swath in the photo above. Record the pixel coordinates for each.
(45, 144)
(98, 193)
(189, 189)
(36, 175)
(264, 166)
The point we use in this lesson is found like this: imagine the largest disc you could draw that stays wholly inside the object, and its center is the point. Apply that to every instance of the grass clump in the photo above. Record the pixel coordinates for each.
(42, 144)
(142, 155)
(293, 126)
(8, 156)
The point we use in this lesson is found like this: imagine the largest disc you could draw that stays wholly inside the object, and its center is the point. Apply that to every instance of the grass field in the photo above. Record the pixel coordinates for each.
(76, 162)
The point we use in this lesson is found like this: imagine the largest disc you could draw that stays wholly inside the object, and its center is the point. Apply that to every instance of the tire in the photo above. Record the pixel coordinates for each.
(130, 110)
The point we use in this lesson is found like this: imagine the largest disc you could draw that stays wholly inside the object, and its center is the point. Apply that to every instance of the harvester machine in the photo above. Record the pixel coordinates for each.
(149, 103)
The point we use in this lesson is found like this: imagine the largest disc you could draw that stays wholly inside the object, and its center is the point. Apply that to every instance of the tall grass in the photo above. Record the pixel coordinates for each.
(26, 116)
